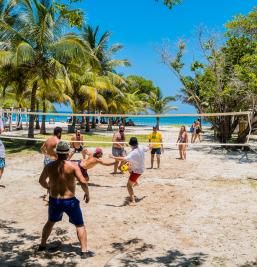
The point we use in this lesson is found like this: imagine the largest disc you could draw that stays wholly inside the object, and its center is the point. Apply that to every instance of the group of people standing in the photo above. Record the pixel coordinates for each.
(60, 174)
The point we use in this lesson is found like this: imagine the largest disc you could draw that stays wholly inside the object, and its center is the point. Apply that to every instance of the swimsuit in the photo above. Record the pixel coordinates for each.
(70, 206)
(83, 171)
(2, 163)
(182, 139)
(134, 176)
(48, 160)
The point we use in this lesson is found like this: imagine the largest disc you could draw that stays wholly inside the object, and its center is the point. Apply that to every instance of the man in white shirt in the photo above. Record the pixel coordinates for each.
(136, 159)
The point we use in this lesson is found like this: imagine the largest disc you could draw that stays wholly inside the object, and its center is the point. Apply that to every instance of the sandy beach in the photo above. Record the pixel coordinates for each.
(189, 213)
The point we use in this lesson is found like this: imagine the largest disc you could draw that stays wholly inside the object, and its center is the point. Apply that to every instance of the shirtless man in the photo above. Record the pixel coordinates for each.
(48, 148)
(78, 145)
(59, 177)
(92, 160)
(118, 148)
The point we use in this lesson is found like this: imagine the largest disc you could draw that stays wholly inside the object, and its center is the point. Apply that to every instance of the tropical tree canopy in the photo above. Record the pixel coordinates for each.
(227, 80)
(43, 61)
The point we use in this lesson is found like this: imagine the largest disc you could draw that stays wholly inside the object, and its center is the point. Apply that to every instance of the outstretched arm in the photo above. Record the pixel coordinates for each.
(117, 158)
(105, 163)
(42, 179)
(83, 183)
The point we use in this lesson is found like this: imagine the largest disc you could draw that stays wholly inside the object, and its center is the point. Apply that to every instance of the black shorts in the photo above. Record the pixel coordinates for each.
(198, 131)
(156, 151)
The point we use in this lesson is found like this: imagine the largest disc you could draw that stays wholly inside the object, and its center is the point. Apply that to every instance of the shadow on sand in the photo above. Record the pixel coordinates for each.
(126, 202)
(130, 254)
(18, 248)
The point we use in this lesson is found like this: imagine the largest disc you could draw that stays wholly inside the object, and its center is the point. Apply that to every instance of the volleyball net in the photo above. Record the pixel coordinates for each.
(232, 129)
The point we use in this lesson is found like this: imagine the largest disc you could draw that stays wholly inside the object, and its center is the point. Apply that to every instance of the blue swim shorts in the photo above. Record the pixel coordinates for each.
(70, 206)
(48, 160)
(2, 163)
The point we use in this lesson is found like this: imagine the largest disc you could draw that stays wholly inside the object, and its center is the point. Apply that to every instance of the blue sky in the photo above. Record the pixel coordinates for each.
(142, 25)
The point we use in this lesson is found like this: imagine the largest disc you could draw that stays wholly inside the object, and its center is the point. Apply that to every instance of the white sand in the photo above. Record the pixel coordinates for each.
(199, 211)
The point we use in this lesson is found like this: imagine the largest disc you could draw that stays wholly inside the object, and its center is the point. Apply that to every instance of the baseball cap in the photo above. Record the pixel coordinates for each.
(98, 150)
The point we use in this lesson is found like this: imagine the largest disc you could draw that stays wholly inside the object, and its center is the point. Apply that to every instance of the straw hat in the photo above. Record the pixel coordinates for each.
(62, 148)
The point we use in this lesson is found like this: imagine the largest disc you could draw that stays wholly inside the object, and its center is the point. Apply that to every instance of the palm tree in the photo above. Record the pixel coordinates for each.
(105, 64)
(35, 43)
(159, 104)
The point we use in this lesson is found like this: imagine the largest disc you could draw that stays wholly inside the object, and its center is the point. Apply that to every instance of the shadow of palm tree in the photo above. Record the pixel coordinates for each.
(14, 240)
(129, 254)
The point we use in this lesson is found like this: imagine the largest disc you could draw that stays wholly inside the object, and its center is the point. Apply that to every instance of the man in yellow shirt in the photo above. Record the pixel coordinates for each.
(157, 149)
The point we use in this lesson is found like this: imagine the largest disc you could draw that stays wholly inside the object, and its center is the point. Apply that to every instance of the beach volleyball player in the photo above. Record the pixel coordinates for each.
(155, 139)
(77, 144)
(92, 160)
(48, 147)
(136, 159)
(59, 178)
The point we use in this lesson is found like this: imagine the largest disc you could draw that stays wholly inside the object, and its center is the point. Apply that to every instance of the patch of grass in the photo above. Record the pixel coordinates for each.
(97, 138)
(13, 146)
(20, 146)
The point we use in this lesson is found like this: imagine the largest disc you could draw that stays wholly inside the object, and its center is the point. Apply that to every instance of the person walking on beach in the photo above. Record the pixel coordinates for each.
(59, 178)
(118, 148)
(92, 160)
(197, 131)
(76, 144)
(48, 148)
(183, 142)
(156, 137)
(192, 131)
(136, 160)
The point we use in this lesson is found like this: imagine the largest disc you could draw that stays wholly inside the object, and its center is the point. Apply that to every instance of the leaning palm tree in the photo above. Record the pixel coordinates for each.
(35, 42)
(160, 104)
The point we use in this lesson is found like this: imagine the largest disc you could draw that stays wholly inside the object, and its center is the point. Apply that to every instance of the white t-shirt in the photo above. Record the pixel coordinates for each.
(137, 159)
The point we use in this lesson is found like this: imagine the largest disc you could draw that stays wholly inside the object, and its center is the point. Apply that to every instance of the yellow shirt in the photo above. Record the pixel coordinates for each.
(155, 138)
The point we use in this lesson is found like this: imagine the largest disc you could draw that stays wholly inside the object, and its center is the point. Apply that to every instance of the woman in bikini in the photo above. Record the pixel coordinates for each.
(183, 142)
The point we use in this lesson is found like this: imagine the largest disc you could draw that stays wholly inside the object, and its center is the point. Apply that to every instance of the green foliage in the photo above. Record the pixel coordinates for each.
(227, 82)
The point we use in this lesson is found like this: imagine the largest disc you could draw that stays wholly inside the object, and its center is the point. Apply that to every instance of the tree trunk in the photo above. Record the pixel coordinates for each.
(158, 123)
(87, 124)
(43, 123)
(93, 123)
(73, 125)
(37, 117)
(32, 116)
(88, 118)
(109, 128)
(83, 122)
(123, 120)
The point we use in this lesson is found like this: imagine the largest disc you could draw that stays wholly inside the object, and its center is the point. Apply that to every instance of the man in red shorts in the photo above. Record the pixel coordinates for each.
(136, 159)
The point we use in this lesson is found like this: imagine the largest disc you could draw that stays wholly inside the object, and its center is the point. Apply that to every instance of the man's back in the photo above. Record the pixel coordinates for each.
(50, 145)
(62, 176)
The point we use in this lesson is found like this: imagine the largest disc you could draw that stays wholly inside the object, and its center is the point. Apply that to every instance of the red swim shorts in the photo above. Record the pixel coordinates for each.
(134, 176)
